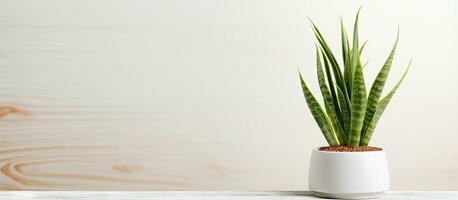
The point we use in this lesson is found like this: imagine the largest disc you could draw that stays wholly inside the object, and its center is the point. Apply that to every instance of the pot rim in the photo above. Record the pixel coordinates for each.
(317, 149)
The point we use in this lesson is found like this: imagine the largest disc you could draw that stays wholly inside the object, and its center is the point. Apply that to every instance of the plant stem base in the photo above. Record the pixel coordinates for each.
(349, 195)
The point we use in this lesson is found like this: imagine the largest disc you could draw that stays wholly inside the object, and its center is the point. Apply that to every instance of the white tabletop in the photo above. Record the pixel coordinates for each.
(179, 195)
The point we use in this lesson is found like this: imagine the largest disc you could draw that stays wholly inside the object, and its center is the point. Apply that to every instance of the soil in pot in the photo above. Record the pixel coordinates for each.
(349, 149)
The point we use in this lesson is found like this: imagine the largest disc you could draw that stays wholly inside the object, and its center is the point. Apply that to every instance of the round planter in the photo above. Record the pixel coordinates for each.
(349, 175)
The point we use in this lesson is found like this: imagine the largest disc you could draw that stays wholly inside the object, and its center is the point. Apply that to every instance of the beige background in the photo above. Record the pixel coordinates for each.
(204, 95)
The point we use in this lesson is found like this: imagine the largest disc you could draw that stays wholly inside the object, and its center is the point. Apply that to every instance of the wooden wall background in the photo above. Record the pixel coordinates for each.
(203, 95)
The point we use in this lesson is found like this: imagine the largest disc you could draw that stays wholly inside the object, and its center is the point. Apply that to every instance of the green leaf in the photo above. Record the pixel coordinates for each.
(344, 39)
(332, 86)
(346, 60)
(330, 56)
(346, 54)
(362, 48)
(345, 111)
(319, 115)
(331, 103)
(380, 109)
(377, 88)
(367, 61)
(358, 107)
(355, 55)
(347, 74)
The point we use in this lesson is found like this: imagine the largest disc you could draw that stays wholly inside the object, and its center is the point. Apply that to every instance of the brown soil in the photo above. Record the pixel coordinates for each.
(349, 149)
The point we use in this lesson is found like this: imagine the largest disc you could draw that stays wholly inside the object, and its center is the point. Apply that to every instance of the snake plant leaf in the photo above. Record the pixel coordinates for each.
(339, 80)
(345, 109)
(344, 39)
(331, 83)
(346, 59)
(358, 107)
(380, 109)
(364, 65)
(347, 74)
(377, 88)
(350, 113)
(362, 48)
(355, 52)
(335, 66)
(319, 115)
(330, 101)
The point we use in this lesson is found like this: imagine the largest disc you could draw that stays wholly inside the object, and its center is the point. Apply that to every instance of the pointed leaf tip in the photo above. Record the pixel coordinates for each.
(381, 105)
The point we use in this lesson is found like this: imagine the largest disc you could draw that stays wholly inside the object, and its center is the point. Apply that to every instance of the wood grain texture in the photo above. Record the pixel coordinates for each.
(108, 95)
(75, 115)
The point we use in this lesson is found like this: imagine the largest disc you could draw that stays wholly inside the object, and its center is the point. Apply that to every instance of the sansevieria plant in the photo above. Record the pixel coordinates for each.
(350, 112)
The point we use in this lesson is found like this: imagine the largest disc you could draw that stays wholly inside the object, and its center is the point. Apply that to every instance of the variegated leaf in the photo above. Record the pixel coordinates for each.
(345, 111)
(319, 115)
(330, 99)
(380, 109)
(358, 107)
(355, 48)
(377, 88)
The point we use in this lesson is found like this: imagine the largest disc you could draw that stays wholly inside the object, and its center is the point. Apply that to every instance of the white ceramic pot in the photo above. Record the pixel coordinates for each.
(349, 175)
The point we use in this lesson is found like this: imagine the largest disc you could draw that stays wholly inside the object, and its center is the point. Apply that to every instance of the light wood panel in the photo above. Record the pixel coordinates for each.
(204, 95)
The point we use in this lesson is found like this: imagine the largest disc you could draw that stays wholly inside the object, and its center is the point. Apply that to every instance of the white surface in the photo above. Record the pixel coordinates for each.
(419, 195)
(347, 173)
(204, 94)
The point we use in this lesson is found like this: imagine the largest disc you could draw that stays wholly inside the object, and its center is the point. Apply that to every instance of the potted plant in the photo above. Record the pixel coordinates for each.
(348, 167)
